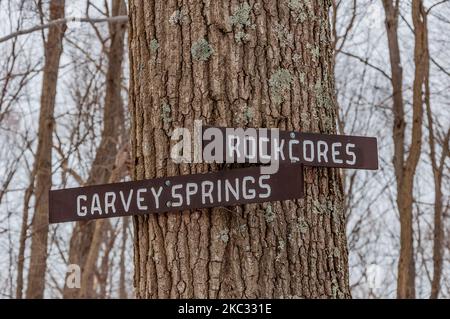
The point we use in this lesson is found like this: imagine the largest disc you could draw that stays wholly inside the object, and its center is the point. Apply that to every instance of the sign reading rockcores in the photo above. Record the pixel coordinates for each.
(310, 149)
(223, 188)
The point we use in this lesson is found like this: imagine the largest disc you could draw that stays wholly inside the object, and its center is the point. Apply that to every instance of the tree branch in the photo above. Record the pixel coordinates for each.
(366, 62)
(115, 19)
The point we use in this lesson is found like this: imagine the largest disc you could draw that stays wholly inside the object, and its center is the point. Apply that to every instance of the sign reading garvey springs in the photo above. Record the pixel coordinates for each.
(185, 192)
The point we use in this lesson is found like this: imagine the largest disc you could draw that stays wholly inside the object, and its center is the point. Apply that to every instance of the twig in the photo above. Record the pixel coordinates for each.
(115, 19)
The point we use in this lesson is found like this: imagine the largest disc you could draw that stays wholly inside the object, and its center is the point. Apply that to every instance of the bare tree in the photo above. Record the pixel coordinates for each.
(39, 227)
(405, 166)
(113, 132)
(438, 168)
(122, 280)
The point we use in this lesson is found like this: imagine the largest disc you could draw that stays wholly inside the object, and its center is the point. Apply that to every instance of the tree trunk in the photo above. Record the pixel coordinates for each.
(405, 168)
(122, 267)
(406, 266)
(392, 14)
(23, 236)
(229, 63)
(39, 226)
(438, 171)
(113, 131)
(437, 165)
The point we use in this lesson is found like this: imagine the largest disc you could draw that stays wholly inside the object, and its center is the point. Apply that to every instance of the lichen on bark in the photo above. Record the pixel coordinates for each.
(241, 16)
(226, 82)
(280, 83)
(201, 50)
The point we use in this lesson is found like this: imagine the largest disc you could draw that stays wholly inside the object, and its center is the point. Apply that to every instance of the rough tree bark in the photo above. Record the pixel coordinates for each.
(230, 63)
(113, 131)
(39, 225)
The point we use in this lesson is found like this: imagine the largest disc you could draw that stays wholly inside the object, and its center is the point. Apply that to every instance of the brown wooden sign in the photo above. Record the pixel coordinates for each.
(310, 149)
(223, 188)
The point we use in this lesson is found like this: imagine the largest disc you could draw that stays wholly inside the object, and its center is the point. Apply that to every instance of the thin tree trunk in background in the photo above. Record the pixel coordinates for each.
(39, 226)
(268, 64)
(405, 169)
(106, 271)
(87, 278)
(122, 280)
(112, 136)
(392, 15)
(437, 166)
(23, 236)
(406, 277)
(438, 170)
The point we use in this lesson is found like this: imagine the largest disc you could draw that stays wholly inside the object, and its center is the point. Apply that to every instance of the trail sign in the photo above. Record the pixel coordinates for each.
(222, 188)
(226, 187)
(260, 145)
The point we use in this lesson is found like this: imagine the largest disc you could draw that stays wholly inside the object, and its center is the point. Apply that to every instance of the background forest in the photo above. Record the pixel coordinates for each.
(404, 104)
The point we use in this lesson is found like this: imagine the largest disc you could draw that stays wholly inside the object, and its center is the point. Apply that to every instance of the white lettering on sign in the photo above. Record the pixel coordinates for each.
(263, 152)
(336, 153)
(207, 192)
(219, 192)
(110, 198)
(191, 189)
(81, 210)
(265, 186)
(308, 146)
(273, 146)
(278, 149)
(126, 205)
(250, 148)
(322, 151)
(95, 205)
(179, 198)
(229, 189)
(140, 199)
(233, 145)
(248, 193)
(156, 195)
(351, 154)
